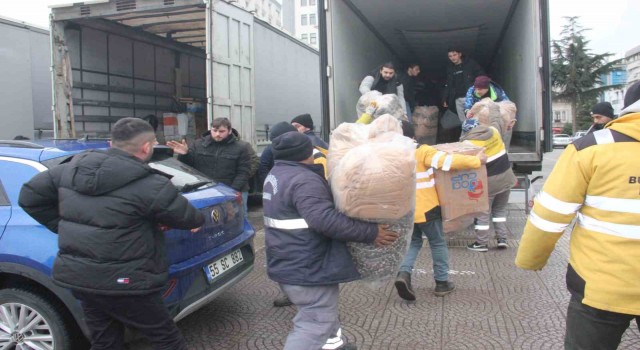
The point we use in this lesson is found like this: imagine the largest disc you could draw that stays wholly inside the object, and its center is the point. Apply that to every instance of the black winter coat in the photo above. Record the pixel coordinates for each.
(227, 161)
(106, 208)
(305, 234)
(470, 70)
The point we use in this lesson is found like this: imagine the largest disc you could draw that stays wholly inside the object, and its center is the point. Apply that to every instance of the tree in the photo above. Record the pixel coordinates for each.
(576, 72)
(568, 129)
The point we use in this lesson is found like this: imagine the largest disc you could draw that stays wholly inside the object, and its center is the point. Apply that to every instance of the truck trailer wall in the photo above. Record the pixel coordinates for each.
(25, 96)
(286, 81)
(122, 75)
(360, 52)
(516, 67)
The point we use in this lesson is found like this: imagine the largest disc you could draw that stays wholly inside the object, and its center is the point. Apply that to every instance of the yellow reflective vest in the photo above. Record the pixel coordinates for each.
(597, 180)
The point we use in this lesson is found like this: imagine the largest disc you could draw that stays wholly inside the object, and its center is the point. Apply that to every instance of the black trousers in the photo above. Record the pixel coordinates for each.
(589, 328)
(107, 316)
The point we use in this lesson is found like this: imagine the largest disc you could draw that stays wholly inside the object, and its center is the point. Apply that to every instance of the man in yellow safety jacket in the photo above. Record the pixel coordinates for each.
(597, 179)
(428, 219)
(500, 178)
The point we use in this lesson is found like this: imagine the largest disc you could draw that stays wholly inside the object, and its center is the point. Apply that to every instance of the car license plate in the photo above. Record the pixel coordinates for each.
(222, 265)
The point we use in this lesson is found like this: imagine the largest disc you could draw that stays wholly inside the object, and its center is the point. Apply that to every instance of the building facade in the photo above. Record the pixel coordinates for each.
(615, 96)
(632, 58)
(306, 20)
(269, 11)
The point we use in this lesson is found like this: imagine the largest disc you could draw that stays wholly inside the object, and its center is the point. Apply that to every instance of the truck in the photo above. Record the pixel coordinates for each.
(209, 59)
(508, 38)
(25, 100)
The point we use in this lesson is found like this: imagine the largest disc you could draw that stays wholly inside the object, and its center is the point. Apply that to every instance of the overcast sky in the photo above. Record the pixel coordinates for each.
(611, 21)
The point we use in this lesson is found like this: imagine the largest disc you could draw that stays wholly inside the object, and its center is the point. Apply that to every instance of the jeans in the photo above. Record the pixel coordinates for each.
(460, 109)
(439, 250)
(594, 329)
(245, 199)
(107, 315)
(409, 113)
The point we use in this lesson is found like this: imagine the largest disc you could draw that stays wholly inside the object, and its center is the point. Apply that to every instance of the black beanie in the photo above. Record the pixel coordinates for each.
(304, 120)
(292, 146)
(279, 129)
(632, 95)
(603, 108)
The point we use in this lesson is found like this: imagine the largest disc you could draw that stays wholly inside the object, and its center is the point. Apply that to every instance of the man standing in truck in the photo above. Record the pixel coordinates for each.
(409, 79)
(461, 74)
(385, 81)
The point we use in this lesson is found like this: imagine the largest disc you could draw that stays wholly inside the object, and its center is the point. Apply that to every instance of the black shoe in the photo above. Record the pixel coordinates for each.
(477, 247)
(403, 285)
(282, 301)
(443, 288)
(502, 243)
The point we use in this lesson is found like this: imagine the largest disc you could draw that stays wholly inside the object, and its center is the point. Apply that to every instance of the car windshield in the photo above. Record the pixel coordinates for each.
(184, 177)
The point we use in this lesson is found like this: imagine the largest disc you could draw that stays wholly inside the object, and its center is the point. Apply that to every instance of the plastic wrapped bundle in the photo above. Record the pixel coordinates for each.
(365, 100)
(390, 104)
(372, 175)
(425, 120)
(508, 112)
(488, 113)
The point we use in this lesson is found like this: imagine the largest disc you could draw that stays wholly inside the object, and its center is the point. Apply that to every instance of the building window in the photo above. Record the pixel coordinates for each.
(312, 2)
(303, 2)
(312, 19)
(556, 116)
(303, 21)
(304, 38)
(313, 39)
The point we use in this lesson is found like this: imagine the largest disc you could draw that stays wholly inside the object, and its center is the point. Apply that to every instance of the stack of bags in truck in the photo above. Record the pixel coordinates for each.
(372, 175)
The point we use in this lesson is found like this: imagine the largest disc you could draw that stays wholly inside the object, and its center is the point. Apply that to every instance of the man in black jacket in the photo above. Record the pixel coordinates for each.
(218, 155)
(305, 238)
(461, 74)
(108, 209)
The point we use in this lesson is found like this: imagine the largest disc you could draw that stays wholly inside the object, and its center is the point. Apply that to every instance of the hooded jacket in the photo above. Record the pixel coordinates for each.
(227, 161)
(499, 172)
(495, 93)
(596, 179)
(106, 208)
(305, 234)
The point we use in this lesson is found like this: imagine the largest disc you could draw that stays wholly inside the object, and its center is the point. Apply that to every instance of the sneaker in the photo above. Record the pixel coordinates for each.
(477, 247)
(282, 301)
(502, 243)
(403, 285)
(443, 288)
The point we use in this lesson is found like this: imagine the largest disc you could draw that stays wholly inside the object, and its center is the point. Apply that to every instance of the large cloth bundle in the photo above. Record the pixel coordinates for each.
(372, 175)
(425, 120)
(386, 104)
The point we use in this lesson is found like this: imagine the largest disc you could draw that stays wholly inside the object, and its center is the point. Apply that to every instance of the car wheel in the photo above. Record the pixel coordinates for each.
(28, 321)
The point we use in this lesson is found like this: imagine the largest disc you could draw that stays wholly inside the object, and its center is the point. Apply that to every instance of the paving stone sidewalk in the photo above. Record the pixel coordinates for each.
(495, 305)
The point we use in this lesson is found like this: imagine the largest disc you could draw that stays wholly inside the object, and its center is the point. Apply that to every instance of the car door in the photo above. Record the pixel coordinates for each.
(5, 208)
(14, 172)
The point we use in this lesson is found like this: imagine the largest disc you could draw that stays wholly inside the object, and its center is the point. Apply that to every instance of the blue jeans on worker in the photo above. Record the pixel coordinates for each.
(439, 251)
(245, 205)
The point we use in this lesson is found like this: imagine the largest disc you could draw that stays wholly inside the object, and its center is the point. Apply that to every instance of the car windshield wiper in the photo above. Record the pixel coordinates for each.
(193, 186)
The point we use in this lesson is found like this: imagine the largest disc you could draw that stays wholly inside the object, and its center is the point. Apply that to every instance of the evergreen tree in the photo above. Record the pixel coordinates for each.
(576, 72)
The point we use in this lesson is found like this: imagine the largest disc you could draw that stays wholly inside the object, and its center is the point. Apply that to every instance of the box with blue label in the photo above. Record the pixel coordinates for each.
(463, 194)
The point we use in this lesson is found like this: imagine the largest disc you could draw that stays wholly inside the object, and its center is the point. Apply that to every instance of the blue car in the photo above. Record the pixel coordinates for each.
(37, 314)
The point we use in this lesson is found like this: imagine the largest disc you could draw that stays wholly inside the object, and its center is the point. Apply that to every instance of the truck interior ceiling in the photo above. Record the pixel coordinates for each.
(131, 58)
(501, 35)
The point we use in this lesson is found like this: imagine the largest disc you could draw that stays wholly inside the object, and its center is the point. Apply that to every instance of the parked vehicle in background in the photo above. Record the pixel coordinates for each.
(561, 140)
(39, 314)
(579, 134)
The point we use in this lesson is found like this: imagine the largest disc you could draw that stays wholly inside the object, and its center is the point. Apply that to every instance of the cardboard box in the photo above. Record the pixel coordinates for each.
(463, 194)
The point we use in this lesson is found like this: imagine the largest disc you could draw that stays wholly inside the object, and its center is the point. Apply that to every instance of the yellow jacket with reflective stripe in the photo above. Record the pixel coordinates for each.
(428, 158)
(320, 158)
(596, 179)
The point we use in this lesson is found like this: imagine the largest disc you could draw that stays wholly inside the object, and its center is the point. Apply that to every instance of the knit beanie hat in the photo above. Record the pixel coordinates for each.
(292, 146)
(632, 95)
(304, 120)
(481, 82)
(603, 108)
(279, 129)
(469, 124)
